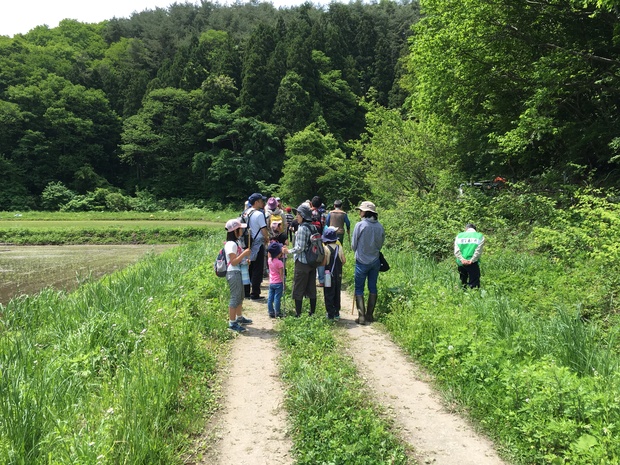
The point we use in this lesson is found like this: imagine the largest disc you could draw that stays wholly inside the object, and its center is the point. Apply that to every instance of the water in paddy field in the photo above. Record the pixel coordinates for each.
(29, 269)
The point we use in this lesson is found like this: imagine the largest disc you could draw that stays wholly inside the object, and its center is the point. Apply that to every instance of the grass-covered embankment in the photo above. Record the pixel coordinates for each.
(518, 355)
(120, 371)
(333, 419)
(56, 228)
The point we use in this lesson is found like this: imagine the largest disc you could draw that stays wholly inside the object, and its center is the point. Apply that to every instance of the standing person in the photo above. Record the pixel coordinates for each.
(275, 213)
(467, 251)
(334, 259)
(291, 228)
(259, 238)
(276, 280)
(304, 281)
(339, 219)
(235, 255)
(368, 238)
(318, 222)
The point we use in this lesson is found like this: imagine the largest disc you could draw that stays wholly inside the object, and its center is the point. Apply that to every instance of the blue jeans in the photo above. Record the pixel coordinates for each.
(362, 272)
(321, 272)
(274, 298)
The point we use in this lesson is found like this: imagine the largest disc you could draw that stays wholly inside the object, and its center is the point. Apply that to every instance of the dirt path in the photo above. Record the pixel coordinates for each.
(438, 437)
(251, 429)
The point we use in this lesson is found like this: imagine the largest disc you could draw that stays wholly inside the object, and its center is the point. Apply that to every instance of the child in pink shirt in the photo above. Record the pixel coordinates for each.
(276, 280)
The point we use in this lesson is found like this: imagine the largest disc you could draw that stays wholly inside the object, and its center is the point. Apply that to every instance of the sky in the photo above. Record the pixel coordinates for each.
(20, 16)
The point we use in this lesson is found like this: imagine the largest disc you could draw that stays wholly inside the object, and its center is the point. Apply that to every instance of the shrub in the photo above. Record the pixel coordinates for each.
(55, 195)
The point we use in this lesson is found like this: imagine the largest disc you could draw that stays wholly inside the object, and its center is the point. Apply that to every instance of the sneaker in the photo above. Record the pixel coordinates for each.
(259, 298)
(237, 328)
(279, 315)
(243, 320)
(271, 315)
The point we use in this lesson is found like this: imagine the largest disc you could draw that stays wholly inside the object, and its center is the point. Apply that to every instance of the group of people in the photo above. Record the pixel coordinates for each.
(266, 234)
(265, 229)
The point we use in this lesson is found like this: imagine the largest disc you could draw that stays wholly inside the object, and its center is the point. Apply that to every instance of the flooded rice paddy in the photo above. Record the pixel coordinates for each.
(29, 269)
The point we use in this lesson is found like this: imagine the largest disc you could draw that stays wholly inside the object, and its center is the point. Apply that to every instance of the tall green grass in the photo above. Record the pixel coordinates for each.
(333, 419)
(119, 371)
(519, 355)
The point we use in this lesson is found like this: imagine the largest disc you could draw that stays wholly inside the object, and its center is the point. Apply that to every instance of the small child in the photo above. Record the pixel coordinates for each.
(276, 279)
(334, 259)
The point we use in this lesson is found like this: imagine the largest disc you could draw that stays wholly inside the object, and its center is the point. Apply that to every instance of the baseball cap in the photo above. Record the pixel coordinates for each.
(234, 224)
(256, 196)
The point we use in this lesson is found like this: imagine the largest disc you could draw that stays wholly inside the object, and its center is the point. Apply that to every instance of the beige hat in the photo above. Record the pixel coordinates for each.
(367, 207)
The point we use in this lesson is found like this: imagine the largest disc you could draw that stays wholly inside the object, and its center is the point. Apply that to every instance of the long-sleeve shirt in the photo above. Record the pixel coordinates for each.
(302, 242)
(368, 238)
(468, 245)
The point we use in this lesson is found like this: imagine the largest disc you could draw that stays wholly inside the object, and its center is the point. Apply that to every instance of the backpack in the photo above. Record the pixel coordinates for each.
(221, 264)
(317, 220)
(273, 217)
(315, 253)
(245, 219)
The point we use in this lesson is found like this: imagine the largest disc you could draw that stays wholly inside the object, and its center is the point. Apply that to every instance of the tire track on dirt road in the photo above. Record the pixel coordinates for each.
(437, 436)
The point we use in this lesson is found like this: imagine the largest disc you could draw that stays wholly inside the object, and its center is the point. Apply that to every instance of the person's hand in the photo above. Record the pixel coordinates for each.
(285, 249)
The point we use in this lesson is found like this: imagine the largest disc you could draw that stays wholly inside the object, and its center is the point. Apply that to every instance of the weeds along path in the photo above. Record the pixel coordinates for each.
(437, 436)
(251, 427)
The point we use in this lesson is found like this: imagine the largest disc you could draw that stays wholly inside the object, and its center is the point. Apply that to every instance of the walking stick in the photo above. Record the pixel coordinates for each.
(353, 305)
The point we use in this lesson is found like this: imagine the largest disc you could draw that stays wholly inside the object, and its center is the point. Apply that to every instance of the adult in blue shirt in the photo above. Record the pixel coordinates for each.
(368, 238)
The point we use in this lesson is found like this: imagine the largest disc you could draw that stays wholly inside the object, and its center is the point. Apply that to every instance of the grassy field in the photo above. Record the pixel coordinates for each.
(40, 228)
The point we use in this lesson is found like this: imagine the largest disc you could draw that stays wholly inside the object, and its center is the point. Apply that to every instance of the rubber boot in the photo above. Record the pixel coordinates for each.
(298, 305)
(312, 306)
(372, 301)
(361, 310)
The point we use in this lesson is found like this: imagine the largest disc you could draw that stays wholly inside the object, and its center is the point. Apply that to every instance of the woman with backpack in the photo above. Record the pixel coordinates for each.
(368, 238)
(235, 255)
(304, 281)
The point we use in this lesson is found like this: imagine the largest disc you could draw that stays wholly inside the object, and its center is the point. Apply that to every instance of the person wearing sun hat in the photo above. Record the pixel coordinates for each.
(367, 241)
(334, 259)
(304, 281)
(234, 256)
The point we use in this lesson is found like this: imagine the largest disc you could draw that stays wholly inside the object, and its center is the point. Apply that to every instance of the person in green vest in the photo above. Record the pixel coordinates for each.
(467, 250)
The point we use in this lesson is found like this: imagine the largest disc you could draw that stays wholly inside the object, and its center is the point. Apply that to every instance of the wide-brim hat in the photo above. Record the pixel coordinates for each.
(330, 234)
(305, 212)
(367, 206)
(274, 249)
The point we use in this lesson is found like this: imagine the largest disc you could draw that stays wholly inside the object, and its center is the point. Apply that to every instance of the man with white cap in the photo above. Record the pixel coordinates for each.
(368, 238)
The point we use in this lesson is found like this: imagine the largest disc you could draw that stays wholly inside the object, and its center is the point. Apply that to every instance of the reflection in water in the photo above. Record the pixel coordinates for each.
(28, 269)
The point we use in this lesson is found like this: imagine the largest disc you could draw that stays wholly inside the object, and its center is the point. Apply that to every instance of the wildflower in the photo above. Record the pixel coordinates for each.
(450, 347)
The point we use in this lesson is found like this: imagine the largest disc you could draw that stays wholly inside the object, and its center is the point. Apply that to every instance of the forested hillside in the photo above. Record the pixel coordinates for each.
(192, 101)
(206, 102)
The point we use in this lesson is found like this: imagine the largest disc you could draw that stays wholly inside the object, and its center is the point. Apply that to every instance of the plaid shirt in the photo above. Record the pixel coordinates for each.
(302, 243)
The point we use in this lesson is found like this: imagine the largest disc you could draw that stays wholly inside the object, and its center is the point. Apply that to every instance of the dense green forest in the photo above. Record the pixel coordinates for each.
(206, 102)
(191, 102)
